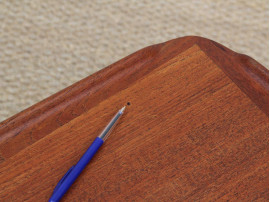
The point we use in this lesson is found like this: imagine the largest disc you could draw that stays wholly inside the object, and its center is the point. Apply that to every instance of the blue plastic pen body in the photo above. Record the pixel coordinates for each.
(75, 171)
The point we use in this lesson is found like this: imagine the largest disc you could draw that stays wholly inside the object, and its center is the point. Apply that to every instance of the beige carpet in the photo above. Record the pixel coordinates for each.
(46, 45)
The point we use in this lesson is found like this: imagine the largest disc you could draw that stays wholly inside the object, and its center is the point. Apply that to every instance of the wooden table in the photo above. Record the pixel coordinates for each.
(196, 129)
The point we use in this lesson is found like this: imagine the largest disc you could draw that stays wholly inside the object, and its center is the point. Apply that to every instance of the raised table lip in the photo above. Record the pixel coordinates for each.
(249, 75)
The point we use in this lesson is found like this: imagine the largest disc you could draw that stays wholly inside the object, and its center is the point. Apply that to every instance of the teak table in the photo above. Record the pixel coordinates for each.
(196, 128)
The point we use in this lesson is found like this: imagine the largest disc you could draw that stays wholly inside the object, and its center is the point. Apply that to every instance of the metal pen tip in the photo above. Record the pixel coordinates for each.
(121, 111)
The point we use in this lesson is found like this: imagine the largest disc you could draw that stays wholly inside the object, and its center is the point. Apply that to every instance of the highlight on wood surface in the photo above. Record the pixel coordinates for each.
(196, 127)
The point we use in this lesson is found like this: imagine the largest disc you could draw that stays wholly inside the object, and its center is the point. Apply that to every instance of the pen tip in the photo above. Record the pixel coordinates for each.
(122, 110)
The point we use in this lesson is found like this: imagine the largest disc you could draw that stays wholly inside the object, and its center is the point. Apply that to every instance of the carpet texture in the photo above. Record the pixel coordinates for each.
(47, 45)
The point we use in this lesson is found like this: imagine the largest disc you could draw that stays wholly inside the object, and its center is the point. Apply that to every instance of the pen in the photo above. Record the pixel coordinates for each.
(71, 175)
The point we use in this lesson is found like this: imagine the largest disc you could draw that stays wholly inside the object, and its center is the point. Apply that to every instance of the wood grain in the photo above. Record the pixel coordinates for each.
(196, 129)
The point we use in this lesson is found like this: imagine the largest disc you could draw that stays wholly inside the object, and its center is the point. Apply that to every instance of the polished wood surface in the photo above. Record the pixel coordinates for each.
(196, 129)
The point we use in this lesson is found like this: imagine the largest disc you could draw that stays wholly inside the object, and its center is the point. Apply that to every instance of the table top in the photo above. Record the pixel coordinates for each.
(196, 128)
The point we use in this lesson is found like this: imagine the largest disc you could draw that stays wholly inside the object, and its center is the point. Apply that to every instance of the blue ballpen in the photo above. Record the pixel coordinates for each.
(72, 174)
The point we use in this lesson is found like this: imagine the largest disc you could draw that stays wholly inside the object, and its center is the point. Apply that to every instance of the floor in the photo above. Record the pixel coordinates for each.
(47, 45)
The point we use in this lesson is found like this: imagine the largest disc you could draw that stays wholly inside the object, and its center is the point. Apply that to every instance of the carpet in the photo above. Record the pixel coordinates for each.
(48, 45)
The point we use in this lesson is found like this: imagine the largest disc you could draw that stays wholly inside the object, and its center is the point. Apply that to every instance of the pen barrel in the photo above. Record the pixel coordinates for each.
(76, 170)
(88, 155)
